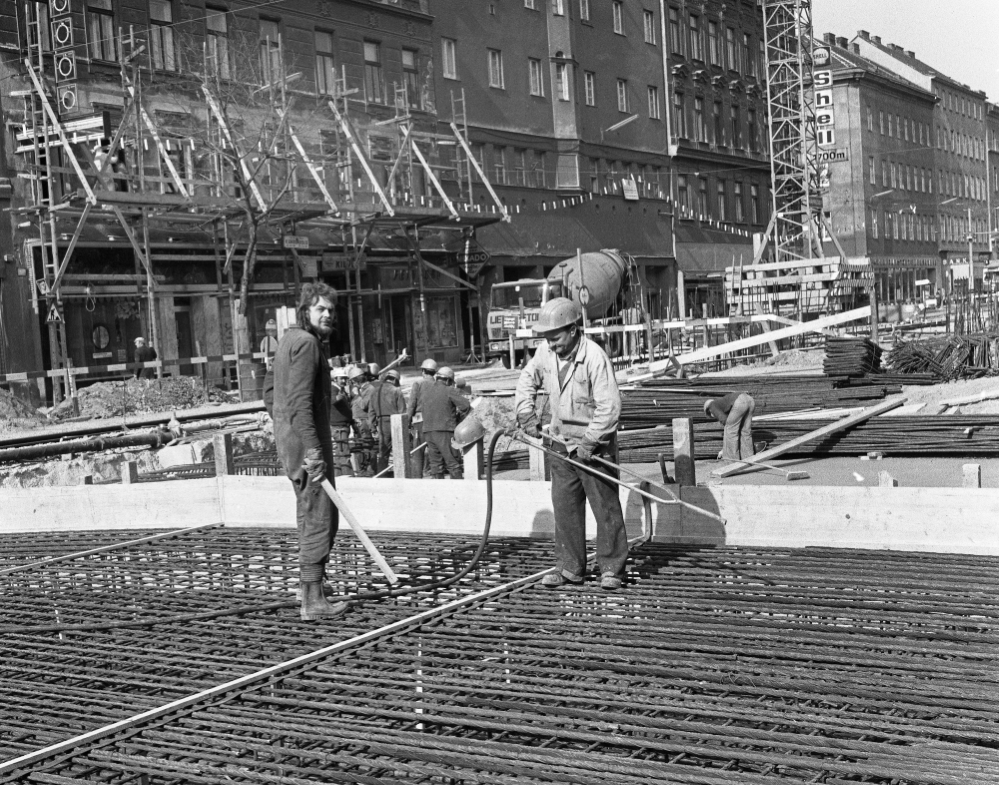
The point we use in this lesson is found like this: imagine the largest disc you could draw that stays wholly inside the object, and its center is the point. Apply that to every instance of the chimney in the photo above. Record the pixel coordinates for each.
(829, 38)
(876, 39)
(910, 53)
(842, 43)
(864, 34)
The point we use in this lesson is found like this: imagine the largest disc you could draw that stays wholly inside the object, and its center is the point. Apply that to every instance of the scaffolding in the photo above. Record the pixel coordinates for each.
(248, 194)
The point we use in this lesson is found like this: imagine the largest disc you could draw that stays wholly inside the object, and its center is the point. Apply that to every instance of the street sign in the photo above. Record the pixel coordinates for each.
(296, 242)
(584, 295)
(473, 258)
(43, 286)
(629, 189)
(831, 156)
(54, 317)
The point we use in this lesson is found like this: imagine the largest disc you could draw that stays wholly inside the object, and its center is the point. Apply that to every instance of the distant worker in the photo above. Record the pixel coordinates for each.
(415, 411)
(361, 377)
(585, 405)
(735, 412)
(269, 343)
(443, 408)
(385, 400)
(341, 418)
(144, 354)
(302, 402)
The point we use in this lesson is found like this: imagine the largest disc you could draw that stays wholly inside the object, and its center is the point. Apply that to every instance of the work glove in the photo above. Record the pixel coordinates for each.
(531, 426)
(315, 466)
(586, 450)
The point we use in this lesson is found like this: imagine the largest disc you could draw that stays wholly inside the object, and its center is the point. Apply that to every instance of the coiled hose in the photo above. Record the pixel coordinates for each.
(274, 606)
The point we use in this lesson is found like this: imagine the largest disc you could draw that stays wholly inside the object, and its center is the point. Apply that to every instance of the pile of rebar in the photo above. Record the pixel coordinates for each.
(948, 357)
(851, 357)
(714, 665)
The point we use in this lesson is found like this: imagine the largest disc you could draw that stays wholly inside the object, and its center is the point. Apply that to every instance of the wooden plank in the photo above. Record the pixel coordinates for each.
(777, 335)
(833, 427)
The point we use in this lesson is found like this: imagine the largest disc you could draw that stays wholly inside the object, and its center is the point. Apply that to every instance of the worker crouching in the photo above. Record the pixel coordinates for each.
(585, 404)
(302, 399)
(735, 413)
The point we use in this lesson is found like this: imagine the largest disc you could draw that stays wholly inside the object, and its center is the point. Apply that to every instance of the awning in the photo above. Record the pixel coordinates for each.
(705, 250)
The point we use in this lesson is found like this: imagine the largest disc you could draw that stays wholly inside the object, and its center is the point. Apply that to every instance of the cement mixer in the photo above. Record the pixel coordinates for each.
(593, 279)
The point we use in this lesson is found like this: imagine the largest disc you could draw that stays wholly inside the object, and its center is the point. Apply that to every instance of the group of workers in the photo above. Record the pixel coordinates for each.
(572, 372)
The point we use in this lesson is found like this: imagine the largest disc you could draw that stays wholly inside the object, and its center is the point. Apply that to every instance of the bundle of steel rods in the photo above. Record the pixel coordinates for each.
(851, 357)
(960, 435)
(948, 357)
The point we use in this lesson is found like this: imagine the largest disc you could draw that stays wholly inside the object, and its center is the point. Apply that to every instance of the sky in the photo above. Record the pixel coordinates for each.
(956, 37)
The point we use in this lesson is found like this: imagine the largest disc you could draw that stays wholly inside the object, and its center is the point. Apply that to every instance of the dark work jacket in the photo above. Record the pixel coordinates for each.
(340, 415)
(386, 399)
(443, 407)
(145, 354)
(720, 407)
(302, 399)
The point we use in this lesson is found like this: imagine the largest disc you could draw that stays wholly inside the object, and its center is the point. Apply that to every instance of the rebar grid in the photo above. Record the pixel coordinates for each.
(714, 665)
(23, 547)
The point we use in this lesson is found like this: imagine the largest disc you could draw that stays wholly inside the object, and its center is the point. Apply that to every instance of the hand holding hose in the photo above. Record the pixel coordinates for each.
(314, 465)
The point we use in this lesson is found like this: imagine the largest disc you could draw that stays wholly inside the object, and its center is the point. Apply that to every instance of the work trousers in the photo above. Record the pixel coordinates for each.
(364, 448)
(318, 520)
(416, 460)
(341, 451)
(383, 444)
(572, 487)
(738, 443)
(441, 454)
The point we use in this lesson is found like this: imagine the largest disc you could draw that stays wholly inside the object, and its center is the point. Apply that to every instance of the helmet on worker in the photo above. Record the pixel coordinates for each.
(393, 374)
(557, 314)
(467, 432)
(445, 373)
(357, 373)
(374, 369)
(429, 366)
(339, 372)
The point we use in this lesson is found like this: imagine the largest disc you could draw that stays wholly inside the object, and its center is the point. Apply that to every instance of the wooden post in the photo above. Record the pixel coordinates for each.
(473, 456)
(129, 473)
(885, 480)
(225, 463)
(683, 451)
(874, 312)
(972, 475)
(401, 445)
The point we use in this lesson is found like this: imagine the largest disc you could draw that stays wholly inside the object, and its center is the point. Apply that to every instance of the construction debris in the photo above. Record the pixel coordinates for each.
(948, 357)
(132, 396)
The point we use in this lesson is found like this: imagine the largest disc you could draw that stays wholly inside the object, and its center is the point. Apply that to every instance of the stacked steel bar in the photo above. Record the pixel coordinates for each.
(958, 435)
(948, 357)
(717, 666)
(851, 357)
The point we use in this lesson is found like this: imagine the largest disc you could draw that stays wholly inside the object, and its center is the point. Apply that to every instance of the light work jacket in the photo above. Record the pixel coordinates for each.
(586, 407)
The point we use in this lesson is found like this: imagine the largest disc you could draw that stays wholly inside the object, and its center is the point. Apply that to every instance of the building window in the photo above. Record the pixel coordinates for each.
(558, 7)
(881, 121)
(731, 50)
(270, 51)
(884, 174)
(622, 95)
(675, 38)
(762, 58)
(562, 81)
(719, 129)
(450, 63)
(617, 14)
(373, 72)
(584, 10)
(654, 111)
(495, 68)
(874, 223)
(536, 76)
(714, 44)
(702, 199)
(870, 119)
(740, 210)
(682, 197)
(325, 66)
(751, 130)
(499, 165)
(747, 55)
(529, 4)
(679, 116)
(754, 203)
(411, 76)
(700, 127)
(649, 20)
(720, 202)
(161, 52)
(520, 167)
(217, 42)
(100, 30)
(736, 127)
(872, 171)
(590, 88)
(696, 46)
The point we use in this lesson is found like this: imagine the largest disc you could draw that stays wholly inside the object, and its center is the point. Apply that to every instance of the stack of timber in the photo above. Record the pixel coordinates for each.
(806, 286)
(948, 357)
(926, 436)
(851, 357)
(658, 401)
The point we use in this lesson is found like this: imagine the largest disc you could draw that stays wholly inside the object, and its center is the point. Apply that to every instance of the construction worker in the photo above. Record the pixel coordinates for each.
(385, 400)
(735, 413)
(362, 427)
(585, 406)
(268, 344)
(443, 408)
(415, 411)
(341, 418)
(302, 404)
(144, 354)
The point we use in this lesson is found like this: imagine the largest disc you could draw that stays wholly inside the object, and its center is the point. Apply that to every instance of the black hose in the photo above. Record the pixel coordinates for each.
(273, 606)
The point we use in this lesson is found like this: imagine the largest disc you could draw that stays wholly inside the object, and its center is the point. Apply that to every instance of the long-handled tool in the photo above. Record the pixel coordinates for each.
(361, 535)
(672, 499)
(789, 474)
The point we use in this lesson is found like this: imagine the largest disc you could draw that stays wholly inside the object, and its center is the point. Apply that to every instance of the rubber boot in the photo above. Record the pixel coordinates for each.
(316, 606)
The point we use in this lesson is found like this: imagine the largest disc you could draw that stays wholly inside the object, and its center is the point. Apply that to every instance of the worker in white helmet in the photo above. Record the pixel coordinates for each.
(415, 411)
(443, 409)
(585, 404)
